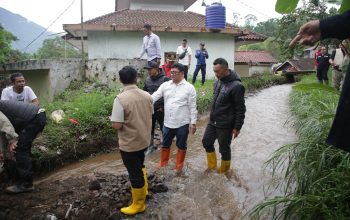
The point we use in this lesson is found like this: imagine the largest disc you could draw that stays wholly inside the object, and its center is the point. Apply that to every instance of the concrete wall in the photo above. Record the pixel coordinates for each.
(164, 5)
(127, 45)
(106, 70)
(244, 70)
(46, 77)
(259, 70)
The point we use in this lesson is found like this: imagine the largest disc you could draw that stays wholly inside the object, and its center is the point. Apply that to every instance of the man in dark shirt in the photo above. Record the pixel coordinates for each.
(201, 55)
(155, 78)
(323, 66)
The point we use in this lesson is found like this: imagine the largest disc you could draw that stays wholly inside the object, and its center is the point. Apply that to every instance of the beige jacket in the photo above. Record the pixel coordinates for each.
(8, 134)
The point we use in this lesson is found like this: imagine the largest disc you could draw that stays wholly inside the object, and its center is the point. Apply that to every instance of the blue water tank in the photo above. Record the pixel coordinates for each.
(215, 16)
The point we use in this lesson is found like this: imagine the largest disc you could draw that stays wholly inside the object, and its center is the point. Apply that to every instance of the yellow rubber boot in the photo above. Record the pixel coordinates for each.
(138, 202)
(225, 166)
(145, 177)
(211, 157)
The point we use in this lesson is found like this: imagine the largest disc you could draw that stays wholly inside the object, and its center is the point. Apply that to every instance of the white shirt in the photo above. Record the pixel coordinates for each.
(27, 95)
(151, 46)
(185, 60)
(180, 107)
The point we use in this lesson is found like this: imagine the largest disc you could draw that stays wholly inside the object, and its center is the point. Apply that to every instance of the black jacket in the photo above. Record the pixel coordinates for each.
(339, 27)
(152, 84)
(20, 114)
(228, 106)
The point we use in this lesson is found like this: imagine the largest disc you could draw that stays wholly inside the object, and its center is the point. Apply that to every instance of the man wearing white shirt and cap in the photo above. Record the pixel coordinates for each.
(180, 109)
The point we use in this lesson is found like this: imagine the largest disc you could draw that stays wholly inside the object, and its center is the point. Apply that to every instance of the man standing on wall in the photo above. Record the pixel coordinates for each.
(226, 115)
(180, 110)
(150, 45)
(155, 78)
(183, 55)
(201, 55)
(132, 117)
(19, 91)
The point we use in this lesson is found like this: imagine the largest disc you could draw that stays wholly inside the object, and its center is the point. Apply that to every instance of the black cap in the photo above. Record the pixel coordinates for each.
(151, 65)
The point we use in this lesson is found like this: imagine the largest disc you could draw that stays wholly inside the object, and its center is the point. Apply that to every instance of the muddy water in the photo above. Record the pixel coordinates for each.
(196, 194)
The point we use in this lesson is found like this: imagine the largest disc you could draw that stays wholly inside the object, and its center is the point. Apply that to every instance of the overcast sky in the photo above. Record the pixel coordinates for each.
(45, 12)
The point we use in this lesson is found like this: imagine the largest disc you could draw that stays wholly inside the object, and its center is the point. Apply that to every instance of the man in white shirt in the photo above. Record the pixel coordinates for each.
(150, 45)
(180, 110)
(183, 55)
(19, 91)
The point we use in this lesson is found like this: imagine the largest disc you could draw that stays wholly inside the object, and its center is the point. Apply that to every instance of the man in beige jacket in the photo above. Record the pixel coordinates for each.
(8, 140)
(132, 117)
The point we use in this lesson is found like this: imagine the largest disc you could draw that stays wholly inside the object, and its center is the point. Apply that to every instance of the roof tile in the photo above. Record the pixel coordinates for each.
(254, 56)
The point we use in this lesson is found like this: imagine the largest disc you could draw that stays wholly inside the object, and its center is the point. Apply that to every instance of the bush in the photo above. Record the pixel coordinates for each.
(317, 175)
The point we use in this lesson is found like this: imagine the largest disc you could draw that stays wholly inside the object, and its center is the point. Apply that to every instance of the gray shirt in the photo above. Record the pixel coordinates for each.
(151, 46)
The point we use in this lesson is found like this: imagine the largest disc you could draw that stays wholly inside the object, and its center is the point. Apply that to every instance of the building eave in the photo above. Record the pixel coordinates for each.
(75, 29)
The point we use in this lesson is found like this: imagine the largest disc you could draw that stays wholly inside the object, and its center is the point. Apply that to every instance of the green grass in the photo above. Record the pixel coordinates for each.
(316, 175)
(91, 107)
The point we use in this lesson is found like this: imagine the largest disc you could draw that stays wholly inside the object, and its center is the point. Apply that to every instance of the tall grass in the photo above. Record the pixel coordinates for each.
(91, 107)
(316, 176)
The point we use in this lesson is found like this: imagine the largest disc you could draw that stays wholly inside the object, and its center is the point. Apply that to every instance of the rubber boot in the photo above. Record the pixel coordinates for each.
(164, 156)
(145, 177)
(225, 166)
(211, 158)
(138, 202)
(180, 158)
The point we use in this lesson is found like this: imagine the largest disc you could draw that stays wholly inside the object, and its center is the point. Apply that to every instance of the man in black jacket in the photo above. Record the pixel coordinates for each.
(155, 78)
(337, 26)
(28, 120)
(226, 116)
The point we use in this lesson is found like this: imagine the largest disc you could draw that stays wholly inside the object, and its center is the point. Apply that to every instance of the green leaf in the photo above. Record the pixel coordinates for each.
(285, 6)
(344, 6)
(325, 117)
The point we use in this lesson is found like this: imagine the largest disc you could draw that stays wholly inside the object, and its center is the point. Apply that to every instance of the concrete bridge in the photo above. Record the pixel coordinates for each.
(49, 78)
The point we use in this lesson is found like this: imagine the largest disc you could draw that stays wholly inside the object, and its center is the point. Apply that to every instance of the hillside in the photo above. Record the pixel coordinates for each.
(23, 29)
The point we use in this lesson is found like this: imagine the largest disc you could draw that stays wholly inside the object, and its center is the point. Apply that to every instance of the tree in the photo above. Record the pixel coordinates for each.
(250, 21)
(236, 19)
(57, 48)
(6, 39)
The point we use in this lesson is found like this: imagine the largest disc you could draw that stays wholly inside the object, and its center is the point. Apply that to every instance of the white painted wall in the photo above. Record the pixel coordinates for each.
(127, 45)
(164, 5)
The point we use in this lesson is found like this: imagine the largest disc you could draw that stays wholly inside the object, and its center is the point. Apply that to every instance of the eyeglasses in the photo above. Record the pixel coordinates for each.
(174, 72)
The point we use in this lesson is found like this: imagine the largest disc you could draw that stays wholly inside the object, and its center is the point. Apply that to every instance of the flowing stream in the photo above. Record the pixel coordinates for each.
(197, 194)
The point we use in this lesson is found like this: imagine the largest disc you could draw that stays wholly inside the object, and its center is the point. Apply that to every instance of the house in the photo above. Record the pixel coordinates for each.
(248, 63)
(118, 34)
(300, 65)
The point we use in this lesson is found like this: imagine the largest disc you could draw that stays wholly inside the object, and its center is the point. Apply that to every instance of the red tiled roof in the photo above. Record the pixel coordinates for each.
(254, 57)
(301, 64)
(252, 36)
(152, 17)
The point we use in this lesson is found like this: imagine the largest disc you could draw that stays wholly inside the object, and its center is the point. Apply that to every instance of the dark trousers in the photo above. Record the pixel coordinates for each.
(24, 145)
(180, 133)
(339, 134)
(157, 116)
(185, 72)
(134, 162)
(224, 137)
(322, 74)
(203, 69)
